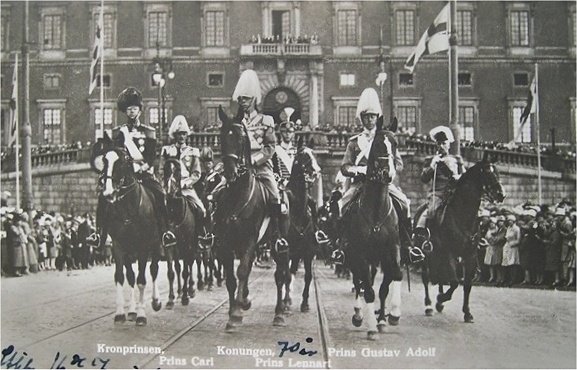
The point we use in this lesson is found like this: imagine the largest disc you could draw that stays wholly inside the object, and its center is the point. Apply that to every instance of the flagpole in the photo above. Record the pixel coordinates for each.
(536, 97)
(101, 46)
(17, 133)
(454, 73)
(28, 196)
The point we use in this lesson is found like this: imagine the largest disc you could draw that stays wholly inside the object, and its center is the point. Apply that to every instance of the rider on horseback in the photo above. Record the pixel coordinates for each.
(189, 158)
(140, 143)
(355, 162)
(262, 139)
(444, 169)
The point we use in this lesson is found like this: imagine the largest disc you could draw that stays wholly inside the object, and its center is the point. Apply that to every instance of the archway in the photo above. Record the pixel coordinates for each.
(279, 98)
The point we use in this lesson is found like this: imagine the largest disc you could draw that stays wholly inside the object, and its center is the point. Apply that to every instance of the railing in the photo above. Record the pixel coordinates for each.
(333, 143)
(280, 49)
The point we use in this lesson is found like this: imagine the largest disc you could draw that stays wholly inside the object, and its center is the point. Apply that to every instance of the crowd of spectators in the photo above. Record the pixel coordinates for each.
(528, 245)
(285, 39)
(54, 242)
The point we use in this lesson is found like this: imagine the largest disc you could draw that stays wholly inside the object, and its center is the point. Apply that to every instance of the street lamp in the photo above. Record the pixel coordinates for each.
(161, 73)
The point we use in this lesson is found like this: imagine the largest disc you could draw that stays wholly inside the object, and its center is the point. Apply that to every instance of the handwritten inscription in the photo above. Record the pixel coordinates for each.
(295, 347)
(13, 359)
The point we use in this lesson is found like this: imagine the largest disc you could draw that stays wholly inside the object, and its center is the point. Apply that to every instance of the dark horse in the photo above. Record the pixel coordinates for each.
(301, 232)
(457, 235)
(240, 212)
(131, 222)
(371, 228)
(183, 222)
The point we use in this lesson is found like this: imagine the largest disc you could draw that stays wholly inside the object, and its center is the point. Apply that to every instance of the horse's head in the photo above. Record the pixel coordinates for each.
(172, 176)
(305, 164)
(232, 141)
(114, 165)
(381, 165)
(485, 172)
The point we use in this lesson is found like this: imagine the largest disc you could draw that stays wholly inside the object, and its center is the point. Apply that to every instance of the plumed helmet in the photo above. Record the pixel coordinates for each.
(206, 154)
(248, 85)
(287, 126)
(369, 103)
(129, 97)
(178, 124)
(441, 134)
(286, 113)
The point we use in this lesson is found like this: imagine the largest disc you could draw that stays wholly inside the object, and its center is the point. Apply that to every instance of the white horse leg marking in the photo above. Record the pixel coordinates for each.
(370, 316)
(358, 306)
(111, 157)
(393, 301)
(140, 305)
(132, 302)
(155, 294)
(119, 299)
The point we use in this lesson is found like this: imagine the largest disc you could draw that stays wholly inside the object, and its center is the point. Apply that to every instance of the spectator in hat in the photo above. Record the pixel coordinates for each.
(17, 242)
(490, 259)
(529, 246)
(511, 260)
(499, 241)
(31, 246)
(553, 248)
(568, 238)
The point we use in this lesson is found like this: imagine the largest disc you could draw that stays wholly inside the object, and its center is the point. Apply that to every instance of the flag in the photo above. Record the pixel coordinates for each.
(96, 54)
(434, 40)
(531, 103)
(14, 104)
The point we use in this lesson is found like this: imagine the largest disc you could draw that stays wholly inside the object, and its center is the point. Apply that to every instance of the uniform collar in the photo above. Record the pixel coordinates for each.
(251, 115)
(369, 134)
(136, 124)
(286, 146)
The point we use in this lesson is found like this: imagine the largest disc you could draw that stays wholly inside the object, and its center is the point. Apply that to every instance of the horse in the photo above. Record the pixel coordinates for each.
(241, 210)
(183, 222)
(456, 237)
(328, 221)
(301, 236)
(131, 223)
(370, 226)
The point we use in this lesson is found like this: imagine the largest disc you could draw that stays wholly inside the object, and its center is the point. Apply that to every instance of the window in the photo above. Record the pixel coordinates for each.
(406, 79)
(405, 27)
(520, 79)
(519, 27)
(157, 29)
(108, 26)
(465, 27)
(52, 126)
(464, 79)
(521, 133)
(347, 27)
(214, 30)
(572, 26)
(154, 116)
(215, 80)
(105, 80)
(281, 23)
(467, 122)
(99, 120)
(51, 81)
(347, 79)
(212, 116)
(52, 32)
(209, 107)
(5, 22)
(346, 116)
(407, 117)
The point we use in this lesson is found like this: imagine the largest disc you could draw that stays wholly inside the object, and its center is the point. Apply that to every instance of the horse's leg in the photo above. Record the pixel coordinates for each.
(131, 278)
(308, 264)
(280, 280)
(200, 283)
(156, 304)
(470, 268)
(234, 312)
(170, 272)
(393, 303)
(358, 315)
(208, 271)
(425, 278)
(369, 295)
(383, 295)
(120, 317)
(242, 273)
(444, 297)
(141, 283)
(290, 279)
(178, 269)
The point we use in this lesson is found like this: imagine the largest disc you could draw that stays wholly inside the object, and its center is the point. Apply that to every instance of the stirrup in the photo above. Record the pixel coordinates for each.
(93, 239)
(168, 239)
(427, 246)
(338, 257)
(416, 255)
(321, 237)
(206, 240)
(281, 245)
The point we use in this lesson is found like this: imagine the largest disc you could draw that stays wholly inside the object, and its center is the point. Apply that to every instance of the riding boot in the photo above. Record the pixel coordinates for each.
(406, 231)
(98, 238)
(276, 216)
(168, 237)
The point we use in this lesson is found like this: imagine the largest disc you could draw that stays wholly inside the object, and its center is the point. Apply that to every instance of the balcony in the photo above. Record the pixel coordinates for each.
(281, 49)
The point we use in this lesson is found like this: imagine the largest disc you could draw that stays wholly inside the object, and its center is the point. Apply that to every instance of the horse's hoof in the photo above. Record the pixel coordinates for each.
(219, 283)
(119, 319)
(230, 327)
(278, 321)
(372, 335)
(357, 321)
(209, 288)
(185, 300)
(141, 321)
(439, 307)
(192, 294)
(288, 302)
(200, 286)
(246, 305)
(429, 312)
(132, 316)
(169, 305)
(156, 305)
(469, 318)
(381, 326)
(305, 307)
(394, 320)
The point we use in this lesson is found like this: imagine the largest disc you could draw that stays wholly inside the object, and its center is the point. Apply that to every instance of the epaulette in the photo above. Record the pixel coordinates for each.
(115, 132)
(267, 120)
(149, 131)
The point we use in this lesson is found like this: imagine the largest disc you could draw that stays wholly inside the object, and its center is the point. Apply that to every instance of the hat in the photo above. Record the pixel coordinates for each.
(560, 211)
(206, 154)
(493, 219)
(178, 124)
(248, 85)
(530, 212)
(129, 97)
(369, 103)
(500, 218)
(511, 218)
(441, 134)
(286, 113)
(484, 213)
